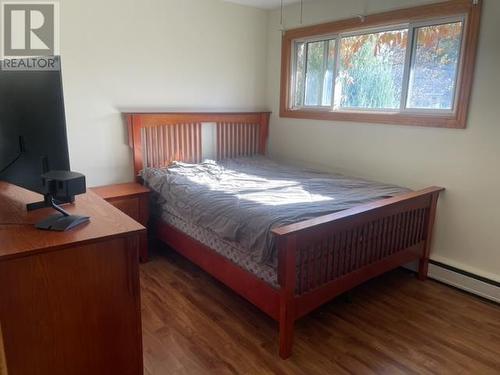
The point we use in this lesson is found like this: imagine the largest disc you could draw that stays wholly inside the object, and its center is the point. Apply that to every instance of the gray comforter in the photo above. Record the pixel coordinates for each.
(240, 200)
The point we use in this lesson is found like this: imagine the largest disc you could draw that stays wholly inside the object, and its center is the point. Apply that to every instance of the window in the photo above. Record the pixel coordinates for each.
(434, 66)
(314, 73)
(371, 70)
(405, 70)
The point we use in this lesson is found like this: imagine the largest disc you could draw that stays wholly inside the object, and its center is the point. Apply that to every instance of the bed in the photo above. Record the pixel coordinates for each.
(288, 239)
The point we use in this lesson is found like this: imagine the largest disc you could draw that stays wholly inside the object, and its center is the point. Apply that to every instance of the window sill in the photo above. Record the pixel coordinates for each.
(456, 121)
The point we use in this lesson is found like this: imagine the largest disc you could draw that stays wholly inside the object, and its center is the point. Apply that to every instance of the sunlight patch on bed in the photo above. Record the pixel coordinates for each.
(237, 182)
(290, 195)
(258, 189)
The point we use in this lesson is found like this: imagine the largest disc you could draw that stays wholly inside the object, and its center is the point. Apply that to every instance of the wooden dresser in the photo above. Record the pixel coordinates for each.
(69, 301)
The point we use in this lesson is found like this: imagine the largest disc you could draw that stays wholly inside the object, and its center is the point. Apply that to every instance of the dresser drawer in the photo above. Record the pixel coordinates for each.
(129, 206)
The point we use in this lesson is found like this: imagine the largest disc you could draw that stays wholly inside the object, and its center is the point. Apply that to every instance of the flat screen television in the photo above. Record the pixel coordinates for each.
(33, 140)
(32, 127)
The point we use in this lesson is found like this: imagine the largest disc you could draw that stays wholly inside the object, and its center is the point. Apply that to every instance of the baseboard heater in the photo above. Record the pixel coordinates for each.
(469, 282)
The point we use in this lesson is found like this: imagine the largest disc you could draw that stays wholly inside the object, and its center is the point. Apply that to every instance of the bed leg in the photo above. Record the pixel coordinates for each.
(286, 334)
(287, 246)
(423, 264)
(423, 268)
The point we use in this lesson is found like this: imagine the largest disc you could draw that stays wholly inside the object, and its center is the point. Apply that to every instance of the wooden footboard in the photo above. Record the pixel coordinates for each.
(321, 258)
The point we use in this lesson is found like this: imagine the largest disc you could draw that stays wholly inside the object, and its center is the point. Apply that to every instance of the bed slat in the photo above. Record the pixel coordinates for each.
(237, 139)
(329, 254)
(163, 144)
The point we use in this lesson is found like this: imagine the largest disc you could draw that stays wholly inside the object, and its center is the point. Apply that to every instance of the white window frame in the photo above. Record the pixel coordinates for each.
(323, 38)
(456, 93)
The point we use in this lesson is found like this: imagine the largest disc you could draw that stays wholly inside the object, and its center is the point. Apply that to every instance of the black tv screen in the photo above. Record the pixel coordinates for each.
(31, 113)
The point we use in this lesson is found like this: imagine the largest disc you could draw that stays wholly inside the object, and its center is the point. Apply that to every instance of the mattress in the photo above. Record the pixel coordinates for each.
(231, 206)
(230, 250)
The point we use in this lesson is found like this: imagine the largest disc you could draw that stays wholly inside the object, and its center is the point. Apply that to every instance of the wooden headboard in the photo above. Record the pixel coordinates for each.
(160, 138)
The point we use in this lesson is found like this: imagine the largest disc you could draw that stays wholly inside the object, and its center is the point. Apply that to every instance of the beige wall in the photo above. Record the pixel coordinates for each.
(152, 53)
(466, 162)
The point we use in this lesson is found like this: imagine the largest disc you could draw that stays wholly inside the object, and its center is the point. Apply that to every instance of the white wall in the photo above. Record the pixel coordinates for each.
(466, 162)
(152, 53)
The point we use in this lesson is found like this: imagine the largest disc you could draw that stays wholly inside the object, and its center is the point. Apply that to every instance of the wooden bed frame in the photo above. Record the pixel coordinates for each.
(318, 259)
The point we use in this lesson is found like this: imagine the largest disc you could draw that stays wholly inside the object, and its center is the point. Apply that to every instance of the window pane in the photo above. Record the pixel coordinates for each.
(328, 76)
(318, 74)
(371, 70)
(300, 65)
(435, 64)
(315, 61)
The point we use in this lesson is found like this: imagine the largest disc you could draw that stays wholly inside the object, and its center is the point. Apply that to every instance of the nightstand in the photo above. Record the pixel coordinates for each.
(133, 199)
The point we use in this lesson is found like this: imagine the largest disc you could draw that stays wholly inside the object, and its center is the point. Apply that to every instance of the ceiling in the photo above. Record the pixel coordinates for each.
(263, 4)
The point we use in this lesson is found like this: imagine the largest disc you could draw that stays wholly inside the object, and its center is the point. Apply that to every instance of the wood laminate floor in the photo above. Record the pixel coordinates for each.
(395, 324)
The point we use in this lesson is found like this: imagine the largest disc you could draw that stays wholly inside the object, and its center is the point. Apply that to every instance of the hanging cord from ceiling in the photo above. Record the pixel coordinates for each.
(301, 11)
(281, 15)
(362, 16)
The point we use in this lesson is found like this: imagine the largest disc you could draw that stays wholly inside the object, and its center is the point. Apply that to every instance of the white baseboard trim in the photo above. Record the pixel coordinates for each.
(462, 281)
